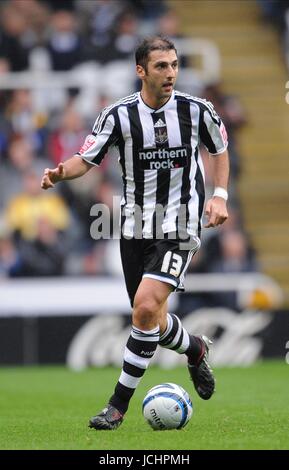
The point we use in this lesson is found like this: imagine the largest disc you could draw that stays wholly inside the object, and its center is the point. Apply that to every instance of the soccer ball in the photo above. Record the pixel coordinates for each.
(167, 406)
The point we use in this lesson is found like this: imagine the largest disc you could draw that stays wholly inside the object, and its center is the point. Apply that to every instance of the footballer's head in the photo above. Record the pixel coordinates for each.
(148, 45)
(157, 67)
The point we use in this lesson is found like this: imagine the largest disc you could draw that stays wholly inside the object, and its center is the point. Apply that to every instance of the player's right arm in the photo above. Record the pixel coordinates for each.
(68, 170)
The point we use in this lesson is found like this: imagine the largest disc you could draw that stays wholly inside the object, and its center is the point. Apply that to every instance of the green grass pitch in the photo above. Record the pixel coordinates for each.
(48, 408)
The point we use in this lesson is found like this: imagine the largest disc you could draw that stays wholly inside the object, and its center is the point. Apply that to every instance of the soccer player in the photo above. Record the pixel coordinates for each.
(157, 133)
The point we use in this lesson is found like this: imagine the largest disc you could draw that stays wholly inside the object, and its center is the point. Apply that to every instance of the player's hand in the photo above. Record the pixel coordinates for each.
(216, 211)
(51, 177)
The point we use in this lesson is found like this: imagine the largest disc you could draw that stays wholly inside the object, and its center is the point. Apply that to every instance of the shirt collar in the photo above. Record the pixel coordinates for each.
(152, 110)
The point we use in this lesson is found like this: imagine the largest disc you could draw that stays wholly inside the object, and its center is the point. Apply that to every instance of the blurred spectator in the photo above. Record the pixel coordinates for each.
(26, 209)
(65, 45)
(93, 260)
(24, 119)
(232, 114)
(10, 262)
(236, 256)
(97, 257)
(149, 11)
(13, 31)
(20, 160)
(4, 65)
(56, 5)
(211, 250)
(125, 38)
(96, 190)
(149, 8)
(169, 26)
(121, 40)
(45, 254)
(68, 136)
(89, 254)
(286, 38)
(274, 11)
(102, 21)
(277, 13)
(36, 14)
(4, 97)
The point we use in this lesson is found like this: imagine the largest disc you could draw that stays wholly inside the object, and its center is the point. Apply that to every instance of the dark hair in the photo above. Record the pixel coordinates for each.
(155, 43)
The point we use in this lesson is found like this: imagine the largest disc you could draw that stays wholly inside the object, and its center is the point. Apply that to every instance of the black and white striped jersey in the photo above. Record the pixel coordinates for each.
(163, 174)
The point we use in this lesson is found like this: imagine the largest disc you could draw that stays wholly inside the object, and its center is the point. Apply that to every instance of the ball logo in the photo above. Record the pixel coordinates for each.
(156, 419)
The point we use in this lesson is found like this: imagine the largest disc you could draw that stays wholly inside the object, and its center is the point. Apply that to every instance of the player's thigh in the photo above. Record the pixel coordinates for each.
(152, 291)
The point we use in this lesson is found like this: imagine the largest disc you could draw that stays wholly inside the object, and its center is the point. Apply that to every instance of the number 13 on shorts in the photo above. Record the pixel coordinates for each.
(172, 264)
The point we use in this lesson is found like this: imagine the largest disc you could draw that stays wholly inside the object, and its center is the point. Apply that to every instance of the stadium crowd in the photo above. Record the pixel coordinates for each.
(276, 12)
(48, 233)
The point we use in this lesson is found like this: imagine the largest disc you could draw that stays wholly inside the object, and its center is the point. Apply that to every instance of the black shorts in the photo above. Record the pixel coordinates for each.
(163, 260)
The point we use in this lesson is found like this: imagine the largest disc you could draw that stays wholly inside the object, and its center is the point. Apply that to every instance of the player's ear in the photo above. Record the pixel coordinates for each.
(140, 71)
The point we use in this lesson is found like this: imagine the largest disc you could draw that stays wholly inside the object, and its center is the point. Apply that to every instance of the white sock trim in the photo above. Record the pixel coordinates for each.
(168, 328)
(128, 380)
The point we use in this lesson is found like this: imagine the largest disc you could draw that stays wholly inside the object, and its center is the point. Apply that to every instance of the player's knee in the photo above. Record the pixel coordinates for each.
(145, 313)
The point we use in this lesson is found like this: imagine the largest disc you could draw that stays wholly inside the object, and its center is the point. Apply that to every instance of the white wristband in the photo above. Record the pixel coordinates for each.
(220, 192)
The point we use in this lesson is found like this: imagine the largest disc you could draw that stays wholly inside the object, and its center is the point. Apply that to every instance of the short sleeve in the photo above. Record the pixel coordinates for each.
(103, 136)
(212, 130)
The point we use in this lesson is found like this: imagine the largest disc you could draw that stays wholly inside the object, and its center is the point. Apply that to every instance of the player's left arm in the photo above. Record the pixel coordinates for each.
(216, 207)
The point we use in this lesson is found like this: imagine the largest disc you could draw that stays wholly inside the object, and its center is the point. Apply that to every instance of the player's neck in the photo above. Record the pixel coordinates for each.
(153, 101)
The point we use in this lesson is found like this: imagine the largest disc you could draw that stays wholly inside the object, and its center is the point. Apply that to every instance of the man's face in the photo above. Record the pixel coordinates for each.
(161, 74)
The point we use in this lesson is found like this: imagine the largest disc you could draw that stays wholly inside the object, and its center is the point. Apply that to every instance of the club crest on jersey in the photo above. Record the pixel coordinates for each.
(161, 135)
